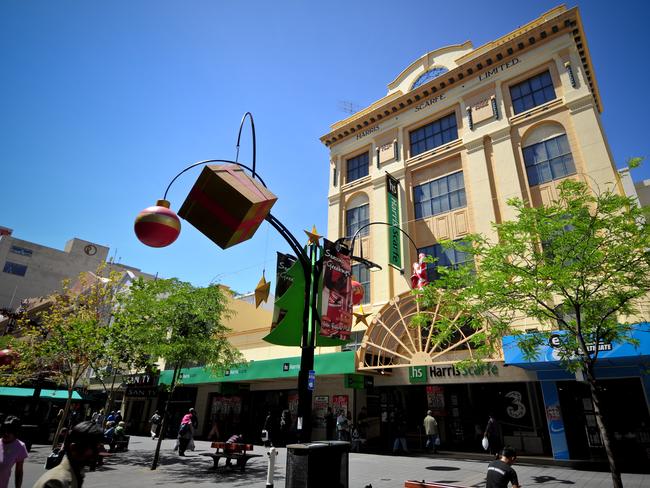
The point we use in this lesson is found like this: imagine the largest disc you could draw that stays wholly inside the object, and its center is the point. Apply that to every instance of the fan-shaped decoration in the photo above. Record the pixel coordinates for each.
(391, 341)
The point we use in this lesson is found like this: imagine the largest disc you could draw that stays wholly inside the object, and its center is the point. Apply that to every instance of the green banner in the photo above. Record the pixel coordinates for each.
(394, 243)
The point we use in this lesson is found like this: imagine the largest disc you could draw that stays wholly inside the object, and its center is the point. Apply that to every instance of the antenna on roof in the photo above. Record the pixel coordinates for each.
(349, 107)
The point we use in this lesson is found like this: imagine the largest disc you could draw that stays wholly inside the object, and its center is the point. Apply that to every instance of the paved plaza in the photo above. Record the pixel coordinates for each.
(131, 469)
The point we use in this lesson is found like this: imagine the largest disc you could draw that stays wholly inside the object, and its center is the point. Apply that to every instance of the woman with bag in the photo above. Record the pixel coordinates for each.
(492, 436)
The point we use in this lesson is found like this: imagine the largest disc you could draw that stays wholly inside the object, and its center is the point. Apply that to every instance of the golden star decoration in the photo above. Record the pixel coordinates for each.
(262, 291)
(313, 235)
(361, 317)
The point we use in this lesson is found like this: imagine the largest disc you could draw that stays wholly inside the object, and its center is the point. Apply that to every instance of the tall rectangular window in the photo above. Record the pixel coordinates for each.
(435, 134)
(362, 275)
(548, 160)
(15, 268)
(446, 257)
(356, 218)
(357, 167)
(439, 196)
(532, 92)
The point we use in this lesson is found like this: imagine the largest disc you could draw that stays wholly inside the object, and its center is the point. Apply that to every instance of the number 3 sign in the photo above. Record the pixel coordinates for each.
(517, 410)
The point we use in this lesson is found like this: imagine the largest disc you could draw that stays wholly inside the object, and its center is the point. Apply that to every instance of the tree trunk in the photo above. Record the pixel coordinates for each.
(163, 426)
(617, 482)
(66, 410)
(109, 400)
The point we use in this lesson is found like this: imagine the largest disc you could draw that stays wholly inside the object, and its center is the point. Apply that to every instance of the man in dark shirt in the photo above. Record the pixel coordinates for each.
(500, 472)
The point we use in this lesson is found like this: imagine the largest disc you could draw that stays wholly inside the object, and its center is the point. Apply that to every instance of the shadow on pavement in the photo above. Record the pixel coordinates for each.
(192, 467)
(443, 468)
(551, 479)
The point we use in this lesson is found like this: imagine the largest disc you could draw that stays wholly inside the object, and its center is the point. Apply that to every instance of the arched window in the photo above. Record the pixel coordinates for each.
(357, 215)
(429, 75)
(547, 154)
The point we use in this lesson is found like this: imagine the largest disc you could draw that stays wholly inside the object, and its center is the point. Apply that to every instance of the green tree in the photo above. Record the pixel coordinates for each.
(579, 267)
(180, 324)
(67, 336)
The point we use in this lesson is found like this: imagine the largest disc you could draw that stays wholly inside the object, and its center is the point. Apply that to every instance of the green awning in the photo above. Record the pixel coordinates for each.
(15, 391)
(324, 364)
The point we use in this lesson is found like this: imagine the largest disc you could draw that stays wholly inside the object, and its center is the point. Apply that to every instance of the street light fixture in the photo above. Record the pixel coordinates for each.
(158, 226)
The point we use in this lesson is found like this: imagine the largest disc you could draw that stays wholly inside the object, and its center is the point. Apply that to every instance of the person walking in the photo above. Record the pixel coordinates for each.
(82, 447)
(184, 434)
(330, 424)
(343, 426)
(431, 431)
(500, 471)
(493, 434)
(155, 422)
(400, 437)
(12, 452)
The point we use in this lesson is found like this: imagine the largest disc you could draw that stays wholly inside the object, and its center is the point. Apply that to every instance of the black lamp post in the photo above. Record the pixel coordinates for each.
(309, 260)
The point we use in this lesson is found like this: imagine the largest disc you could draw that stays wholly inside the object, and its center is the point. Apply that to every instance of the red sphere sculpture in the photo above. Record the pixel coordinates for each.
(7, 357)
(157, 226)
(357, 292)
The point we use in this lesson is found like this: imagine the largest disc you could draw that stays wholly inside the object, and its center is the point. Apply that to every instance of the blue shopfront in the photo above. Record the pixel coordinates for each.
(622, 372)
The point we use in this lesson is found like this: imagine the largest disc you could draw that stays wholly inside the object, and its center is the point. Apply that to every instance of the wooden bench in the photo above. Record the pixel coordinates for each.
(241, 452)
(119, 445)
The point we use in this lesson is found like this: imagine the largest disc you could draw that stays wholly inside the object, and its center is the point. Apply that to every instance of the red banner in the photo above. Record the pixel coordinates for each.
(336, 313)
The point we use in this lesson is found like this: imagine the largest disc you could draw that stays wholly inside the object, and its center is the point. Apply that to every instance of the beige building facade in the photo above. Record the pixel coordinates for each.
(31, 270)
(460, 131)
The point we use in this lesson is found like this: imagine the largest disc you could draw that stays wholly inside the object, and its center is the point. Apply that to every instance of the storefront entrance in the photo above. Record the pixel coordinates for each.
(625, 411)
(462, 412)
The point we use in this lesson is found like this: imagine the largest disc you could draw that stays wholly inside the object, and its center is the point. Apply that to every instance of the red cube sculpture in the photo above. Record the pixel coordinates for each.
(226, 204)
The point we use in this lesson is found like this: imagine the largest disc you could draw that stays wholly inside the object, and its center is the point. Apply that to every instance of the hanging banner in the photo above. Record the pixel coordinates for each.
(394, 238)
(336, 313)
(283, 282)
(339, 403)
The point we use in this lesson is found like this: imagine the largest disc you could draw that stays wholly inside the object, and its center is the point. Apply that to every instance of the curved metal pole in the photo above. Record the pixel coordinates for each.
(292, 241)
(382, 223)
(241, 126)
(212, 161)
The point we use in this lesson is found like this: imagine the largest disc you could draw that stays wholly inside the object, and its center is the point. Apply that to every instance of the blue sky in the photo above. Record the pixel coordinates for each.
(102, 103)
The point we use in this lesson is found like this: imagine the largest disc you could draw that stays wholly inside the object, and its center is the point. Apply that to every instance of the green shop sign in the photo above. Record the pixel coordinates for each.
(417, 374)
(394, 243)
(324, 364)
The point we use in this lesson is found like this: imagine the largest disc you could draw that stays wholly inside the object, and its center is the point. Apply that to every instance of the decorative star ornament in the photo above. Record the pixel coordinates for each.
(361, 316)
(313, 235)
(262, 291)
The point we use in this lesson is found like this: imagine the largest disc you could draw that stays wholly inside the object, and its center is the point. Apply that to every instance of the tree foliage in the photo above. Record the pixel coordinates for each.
(578, 268)
(67, 334)
(181, 324)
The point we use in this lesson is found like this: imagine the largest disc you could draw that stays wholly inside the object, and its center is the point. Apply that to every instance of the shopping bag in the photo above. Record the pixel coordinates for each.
(265, 435)
(437, 441)
(485, 443)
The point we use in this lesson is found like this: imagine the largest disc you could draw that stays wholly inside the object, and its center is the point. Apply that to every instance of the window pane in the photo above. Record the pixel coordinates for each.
(533, 179)
(545, 172)
(549, 93)
(568, 164)
(552, 148)
(563, 144)
(532, 92)
(357, 167)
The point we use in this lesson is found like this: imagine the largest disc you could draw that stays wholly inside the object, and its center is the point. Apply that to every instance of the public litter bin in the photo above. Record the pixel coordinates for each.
(318, 464)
